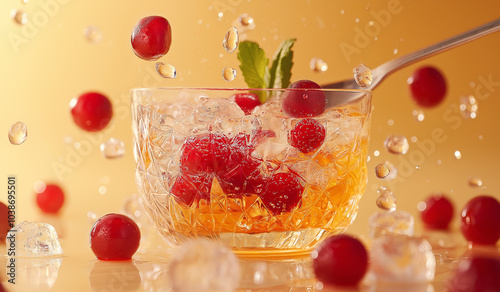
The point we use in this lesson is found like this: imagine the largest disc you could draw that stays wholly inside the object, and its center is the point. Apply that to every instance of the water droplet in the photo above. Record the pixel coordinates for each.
(356, 20)
(395, 51)
(390, 122)
(475, 182)
(92, 34)
(418, 114)
(371, 23)
(413, 139)
(113, 148)
(166, 70)
(220, 14)
(18, 133)
(468, 106)
(19, 16)
(342, 11)
(91, 217)
(376, 153)
(382, 170)
(246, 22)
(228, 73)
(439, 162)
(39, 186)
(480, 137)
(386, 199)
(102, 190)
(396, 144)
(318, 65)
(363, 75)
(458, 155)
(24, 1)
(231, 40)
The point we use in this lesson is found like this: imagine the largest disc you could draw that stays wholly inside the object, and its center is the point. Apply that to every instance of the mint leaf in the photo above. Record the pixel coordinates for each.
(253, 64)
(281, 68)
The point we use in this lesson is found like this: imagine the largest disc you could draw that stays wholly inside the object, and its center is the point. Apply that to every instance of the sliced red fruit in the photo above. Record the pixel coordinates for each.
(192, 188)
(427, 86)
(480, 222)
(304, 100)
(247, 101)
(282, 192)
(307, 135)
(437, 213)
(151, 38)
(91, 111)
(340, 260)
(204, 153)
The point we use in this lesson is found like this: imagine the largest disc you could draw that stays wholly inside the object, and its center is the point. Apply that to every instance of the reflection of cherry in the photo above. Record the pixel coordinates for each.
(114, 276)
(479, 273)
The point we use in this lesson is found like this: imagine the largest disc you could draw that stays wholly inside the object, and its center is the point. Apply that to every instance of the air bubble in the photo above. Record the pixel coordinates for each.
(20, 17)
(363, 75)
(458, 155)
(166, 70)
(468, 106)
(382, 170)
(318, 65)
(386, 199)
(228, 73)
(396, 144)
(418, 114)
(113, 148)
(231, 40)
(92, 34)
(18, 133)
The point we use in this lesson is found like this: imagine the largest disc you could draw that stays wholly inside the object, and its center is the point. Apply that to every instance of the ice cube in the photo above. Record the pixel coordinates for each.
(211, 109)
(401, 259)
(203, 265)
(391, 222)
(31, 239)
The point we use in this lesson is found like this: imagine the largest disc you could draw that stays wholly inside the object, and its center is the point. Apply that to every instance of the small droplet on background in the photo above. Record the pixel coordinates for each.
(231, 40)
(91, 217)
(18, 133)
(390, 122)
(166, 70)
(228, 74)
(475, 182)
(376, 153)
(386, 199)
(395, 51)
(458, 155)
(363, 75)
(318, 65)
(468, 106)
(92, 34)
(39, 186)
(419, 115)
(113, 148)
(20, 17)
(246, 21)
(102, 190)
(382, 170)
(397, 144)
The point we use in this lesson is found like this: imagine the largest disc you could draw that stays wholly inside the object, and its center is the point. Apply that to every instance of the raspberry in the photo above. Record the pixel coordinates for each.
(283, 192)
(204, 153)
(304, 99)
(437, 213)
(427, 86)
(480, 222)
(340, 260)
(151, 38)
(247, 101)
(91, 111)
(114, 237)
(307, 135)
(190, 188)
(50, 199)
(476, 274)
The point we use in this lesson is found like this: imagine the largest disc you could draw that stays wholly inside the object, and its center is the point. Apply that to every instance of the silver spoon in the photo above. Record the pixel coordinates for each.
(384, 70)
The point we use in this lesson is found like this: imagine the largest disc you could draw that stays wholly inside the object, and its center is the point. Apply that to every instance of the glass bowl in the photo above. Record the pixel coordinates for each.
(207, 169)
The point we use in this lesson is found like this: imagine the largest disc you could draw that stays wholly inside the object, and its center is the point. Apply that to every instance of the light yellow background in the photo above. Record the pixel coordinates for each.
(47, 62)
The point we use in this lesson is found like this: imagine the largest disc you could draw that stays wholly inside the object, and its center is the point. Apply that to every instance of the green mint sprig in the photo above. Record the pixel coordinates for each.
(254, 66)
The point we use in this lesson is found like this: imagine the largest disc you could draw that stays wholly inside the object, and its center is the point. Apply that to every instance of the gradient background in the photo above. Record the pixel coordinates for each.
(47, 62)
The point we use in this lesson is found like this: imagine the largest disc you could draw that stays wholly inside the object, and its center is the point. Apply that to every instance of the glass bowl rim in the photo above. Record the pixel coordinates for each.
(238, 89)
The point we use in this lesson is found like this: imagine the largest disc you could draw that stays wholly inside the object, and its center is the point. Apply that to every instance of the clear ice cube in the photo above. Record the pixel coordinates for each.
(401, 259)
(203, 265)
(33, 239)
(211, 109)
(391, 222)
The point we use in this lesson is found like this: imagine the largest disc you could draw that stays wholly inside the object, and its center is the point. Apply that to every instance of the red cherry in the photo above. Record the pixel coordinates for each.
(283, 192)
(307, 135)
(114, 237)
(304, 99)
(477, 274)
(437, 213)
(247, 101)
(340, 260)
(480, 222)
(50, 199)
(427, 86)
(91, 111)
(4, 221)
(204, 153)
(151, 38)
(190, 188)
